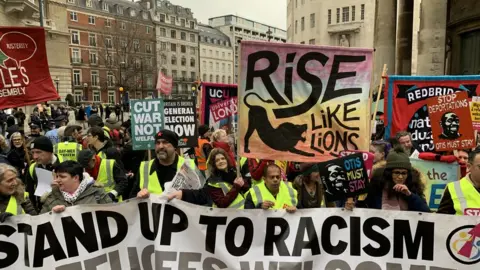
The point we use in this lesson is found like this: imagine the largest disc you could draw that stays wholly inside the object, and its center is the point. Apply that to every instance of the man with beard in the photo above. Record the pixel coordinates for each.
(336, 179)
(153, 175)
(450, 124)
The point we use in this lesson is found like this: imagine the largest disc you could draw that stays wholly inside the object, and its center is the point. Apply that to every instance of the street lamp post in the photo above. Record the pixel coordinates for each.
(57, 81)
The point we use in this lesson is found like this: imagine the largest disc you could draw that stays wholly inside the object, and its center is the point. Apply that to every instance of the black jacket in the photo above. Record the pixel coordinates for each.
(31, 182)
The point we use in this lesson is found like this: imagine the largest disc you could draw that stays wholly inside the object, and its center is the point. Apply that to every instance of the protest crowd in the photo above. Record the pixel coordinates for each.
(403, 180)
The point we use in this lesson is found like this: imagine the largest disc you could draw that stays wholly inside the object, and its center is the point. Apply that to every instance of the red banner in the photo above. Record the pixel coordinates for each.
(24, 75)
(224, 109)
(451, 122)
(164, 84)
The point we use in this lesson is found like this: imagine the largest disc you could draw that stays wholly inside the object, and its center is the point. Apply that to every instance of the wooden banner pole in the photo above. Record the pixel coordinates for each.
(379, 94)
(236, 134)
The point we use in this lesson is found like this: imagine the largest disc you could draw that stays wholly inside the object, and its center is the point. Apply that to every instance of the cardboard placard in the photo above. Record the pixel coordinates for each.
(147, 120)
(181, 117)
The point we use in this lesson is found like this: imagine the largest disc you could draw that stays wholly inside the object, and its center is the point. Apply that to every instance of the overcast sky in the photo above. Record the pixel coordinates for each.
(271, 12)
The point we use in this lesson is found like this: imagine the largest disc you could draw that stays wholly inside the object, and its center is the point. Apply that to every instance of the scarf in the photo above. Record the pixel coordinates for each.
(72, 197)
(94, 172)
(393, 203)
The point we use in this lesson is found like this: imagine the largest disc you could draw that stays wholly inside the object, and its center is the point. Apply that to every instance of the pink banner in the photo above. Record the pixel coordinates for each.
(224, 109)
(367, 159)
(164, 84)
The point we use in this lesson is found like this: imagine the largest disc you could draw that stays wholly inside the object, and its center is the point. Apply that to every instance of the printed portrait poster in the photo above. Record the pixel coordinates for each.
(219, 106)
(303, 103)
(180, 116)
(451, 122)
(406, 103)
(147, 120)
(344, 177)
(24, 75)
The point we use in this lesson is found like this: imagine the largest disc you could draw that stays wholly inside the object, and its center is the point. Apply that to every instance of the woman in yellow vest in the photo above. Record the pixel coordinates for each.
(13, 198)
(224, 187)
(272, 193)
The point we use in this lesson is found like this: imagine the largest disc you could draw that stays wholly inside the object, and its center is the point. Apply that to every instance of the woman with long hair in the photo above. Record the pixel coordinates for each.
(397, 186)
(224, 187)
(18, 156)
(13, 198)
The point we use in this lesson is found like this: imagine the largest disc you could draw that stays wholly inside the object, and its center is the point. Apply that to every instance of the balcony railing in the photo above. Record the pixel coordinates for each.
(76, 60)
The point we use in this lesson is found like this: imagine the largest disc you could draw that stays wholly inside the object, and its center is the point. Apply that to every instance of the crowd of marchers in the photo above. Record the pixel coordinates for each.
(97, 165)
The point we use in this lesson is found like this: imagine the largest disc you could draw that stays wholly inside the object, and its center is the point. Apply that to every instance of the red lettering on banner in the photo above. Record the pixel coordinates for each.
(472, 212)
(224, 109)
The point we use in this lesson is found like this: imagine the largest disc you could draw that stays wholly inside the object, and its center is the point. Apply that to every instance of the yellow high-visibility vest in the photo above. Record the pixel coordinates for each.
(31, 169)
(238, 203)
(150, 181)
(13, 207)
(68, 150)
(287, 195)
(105, 176)
(464, 195)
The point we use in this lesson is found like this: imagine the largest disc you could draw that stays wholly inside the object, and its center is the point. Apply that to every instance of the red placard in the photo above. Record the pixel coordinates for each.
(164, 83)
(24, 75)
(451, 122)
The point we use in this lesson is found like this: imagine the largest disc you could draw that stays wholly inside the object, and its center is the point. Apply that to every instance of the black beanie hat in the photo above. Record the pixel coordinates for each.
(398, 159)
(203, 129)
(42, 143)
(169, 136)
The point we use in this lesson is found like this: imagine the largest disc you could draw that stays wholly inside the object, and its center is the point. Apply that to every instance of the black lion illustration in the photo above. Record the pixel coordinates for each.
(283, 138)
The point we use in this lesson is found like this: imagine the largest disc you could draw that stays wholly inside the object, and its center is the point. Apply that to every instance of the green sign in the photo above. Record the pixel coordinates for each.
(147, 120)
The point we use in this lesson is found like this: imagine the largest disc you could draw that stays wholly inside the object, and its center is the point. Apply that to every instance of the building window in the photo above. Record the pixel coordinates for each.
(71, 1)
(163, 46)
(211, 78)
(192, 37)
(132, 13)
(163, 32)
(78, 96)
(182, 22)
(94, 77)
(111, 97)
(192, 25)
(147, 29)
(123, 43)
(110, 80)
(303, 42)
(173, 34)
(311, 41)
(93, 58)
(329, 18)
(107, 23)
(172, 20)
(229, 67)
(173, 47)
(184, 75)
(92, 40)
(148, 48)
(105, 7)
(162, 17)
(73, 16)
(217, 67)
(211, 66)
(76, 55)
(362, 12)
(229, 81)
(120, 10)
(184, 61)
(217, 78)
(136, 45)
(296, 27)
(75, 37)
(338, 15)
(303, 23)
(204, 77)
(204, 52)
(174, 74)
(174, 60)
(223, 79)
(223, 54)
(183, 48)
(96, 96)
(345, 14)
(76, 77)
(193, 50)
(109, 60)
(91, 19)
(108, 42)
(312, 20)
(353, 13)
(229, 55)
(163, 59)
(123, 26)
(223, 67)
(192, 62)
(183, 36)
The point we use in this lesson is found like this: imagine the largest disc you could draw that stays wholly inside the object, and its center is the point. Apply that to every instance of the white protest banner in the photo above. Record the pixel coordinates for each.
(153, 234)
(186, 178)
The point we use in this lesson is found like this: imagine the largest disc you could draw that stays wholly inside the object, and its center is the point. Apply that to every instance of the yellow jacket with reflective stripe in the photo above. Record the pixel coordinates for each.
(68, 150)
(31, 169)
(102, 155)
(13, 207)
(464, 195)
(150, 181)
(287, 195)
(238, 203)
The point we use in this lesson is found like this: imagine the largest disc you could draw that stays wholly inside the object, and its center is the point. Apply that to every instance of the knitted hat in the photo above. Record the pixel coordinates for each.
(203, 129)
(169, 136)
(42, 143)
(84, 157)
(398, 159)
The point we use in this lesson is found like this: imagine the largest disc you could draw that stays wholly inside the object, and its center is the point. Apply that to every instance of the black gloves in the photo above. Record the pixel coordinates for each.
(4, 216)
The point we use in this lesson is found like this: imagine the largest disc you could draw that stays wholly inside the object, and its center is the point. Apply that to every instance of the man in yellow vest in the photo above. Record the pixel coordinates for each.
(106, 172)
(152, 175)
(272, 193)
(463, 197)
(44, 158)
(68, 148)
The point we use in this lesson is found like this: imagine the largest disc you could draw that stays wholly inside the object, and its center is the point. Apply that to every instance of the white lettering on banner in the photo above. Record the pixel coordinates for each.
(183, 236)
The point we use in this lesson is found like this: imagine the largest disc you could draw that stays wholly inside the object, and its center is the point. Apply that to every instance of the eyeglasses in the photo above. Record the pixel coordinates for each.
(400, 173)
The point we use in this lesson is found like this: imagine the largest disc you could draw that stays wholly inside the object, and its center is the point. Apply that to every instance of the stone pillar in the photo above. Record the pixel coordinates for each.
(431, 37)
(384, 37)
(403, 58)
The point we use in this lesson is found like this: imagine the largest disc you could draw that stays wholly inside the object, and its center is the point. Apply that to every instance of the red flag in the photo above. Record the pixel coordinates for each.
(164, 83)
(24, 75)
